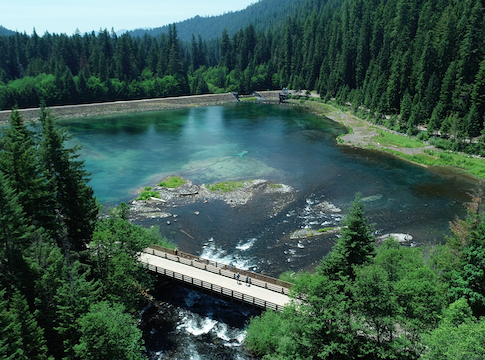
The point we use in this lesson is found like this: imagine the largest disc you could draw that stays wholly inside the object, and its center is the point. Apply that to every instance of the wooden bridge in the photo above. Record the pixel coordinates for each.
(220, 279)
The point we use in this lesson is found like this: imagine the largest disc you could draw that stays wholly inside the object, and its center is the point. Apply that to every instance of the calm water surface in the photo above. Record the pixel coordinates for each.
(286, 145)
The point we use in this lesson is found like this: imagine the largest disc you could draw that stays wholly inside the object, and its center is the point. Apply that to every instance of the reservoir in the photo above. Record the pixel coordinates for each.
(286, 145)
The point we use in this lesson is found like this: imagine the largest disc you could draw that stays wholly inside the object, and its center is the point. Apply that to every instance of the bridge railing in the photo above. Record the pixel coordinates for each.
(215, 288)
(260, 280)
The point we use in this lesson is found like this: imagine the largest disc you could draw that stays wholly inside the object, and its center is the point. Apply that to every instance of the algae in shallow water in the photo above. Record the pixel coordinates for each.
(219, 168)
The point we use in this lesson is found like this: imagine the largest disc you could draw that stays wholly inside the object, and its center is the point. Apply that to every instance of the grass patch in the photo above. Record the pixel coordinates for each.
(226, 186)
(275, 186)
(471, 165)
(253, 98)
(172, 182)
(147, 193)
(386, 138)
(325, 229)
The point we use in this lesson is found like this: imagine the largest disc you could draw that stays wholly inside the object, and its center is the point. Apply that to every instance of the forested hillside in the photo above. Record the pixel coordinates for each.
(263, 15)
(70, 279)
(423, 60)
(6, 32)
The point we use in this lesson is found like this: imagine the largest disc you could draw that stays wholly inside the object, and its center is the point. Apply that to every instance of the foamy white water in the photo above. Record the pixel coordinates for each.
(211, 252)
(246, 245)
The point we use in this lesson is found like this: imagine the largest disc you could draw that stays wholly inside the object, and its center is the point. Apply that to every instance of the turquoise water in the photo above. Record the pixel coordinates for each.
(284, 144)
(125, 153)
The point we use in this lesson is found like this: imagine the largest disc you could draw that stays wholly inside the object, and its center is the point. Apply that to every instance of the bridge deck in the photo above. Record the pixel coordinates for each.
(216, 281)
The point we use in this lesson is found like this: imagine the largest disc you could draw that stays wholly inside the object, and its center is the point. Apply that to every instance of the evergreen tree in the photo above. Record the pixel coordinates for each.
(73, 299)
(478, 95)
(74, 204)
(33, 341)
(49, 266)
(10, 332)
(15, 237)
(19, 163)
(355, 247)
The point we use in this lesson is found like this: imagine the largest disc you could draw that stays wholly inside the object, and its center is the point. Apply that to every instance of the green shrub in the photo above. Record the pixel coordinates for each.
(172, 182)
(153, 233)
(147, 194)
(287, 276)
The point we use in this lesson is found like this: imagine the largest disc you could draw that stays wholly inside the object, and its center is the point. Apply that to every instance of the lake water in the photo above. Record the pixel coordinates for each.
(286, 145)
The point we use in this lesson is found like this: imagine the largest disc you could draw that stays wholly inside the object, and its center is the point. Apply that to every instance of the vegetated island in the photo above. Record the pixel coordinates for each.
(156, 202)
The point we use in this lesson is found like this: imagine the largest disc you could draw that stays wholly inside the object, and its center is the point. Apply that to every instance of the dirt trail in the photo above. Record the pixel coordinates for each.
(365, 134)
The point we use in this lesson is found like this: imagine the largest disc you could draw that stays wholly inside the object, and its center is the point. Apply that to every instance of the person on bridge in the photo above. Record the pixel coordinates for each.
(237, 277)
(247, 280)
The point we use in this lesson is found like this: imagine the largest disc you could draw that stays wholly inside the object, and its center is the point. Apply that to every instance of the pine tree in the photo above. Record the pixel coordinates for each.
(478, 94)
(406, 110)
(15, 237)
(73, 299)
(226, 59)
(355, 247)
(19, 163)
(474, 122)
(74, 204)
(10, 332)
(49, 266)
(33, 341)
(447, 88)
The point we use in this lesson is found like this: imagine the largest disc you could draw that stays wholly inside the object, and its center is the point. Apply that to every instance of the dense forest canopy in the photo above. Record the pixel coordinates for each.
(423, 60)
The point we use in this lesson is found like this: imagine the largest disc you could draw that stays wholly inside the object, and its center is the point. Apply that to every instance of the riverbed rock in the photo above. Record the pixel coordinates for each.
(401, 238)
(280, 196)
(308, 233)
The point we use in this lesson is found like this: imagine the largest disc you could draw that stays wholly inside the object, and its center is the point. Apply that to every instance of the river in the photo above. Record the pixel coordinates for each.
(286, 145)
